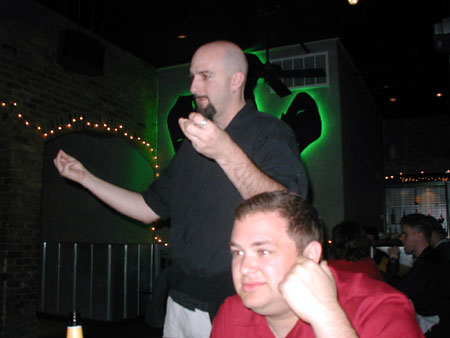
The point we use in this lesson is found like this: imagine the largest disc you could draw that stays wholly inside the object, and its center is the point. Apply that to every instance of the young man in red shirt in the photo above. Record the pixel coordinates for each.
(285, 290)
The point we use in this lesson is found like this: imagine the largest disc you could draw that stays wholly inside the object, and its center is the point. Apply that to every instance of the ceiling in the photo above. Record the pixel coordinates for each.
(390, 42)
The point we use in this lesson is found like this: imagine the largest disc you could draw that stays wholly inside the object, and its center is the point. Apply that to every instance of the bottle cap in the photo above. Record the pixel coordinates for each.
(74, 318)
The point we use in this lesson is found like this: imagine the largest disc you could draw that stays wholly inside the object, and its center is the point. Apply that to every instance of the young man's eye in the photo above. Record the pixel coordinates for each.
(263, 252)
(237, 252)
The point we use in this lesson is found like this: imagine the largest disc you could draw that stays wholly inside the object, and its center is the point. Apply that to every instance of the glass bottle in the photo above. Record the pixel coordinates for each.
(74, 328)
(416, 197)
(393, 217)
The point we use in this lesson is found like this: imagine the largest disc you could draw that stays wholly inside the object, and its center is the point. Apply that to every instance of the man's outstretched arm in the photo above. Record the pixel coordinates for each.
(127, 202)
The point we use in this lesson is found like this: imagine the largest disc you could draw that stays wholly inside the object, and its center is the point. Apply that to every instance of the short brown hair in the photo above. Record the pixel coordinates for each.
(420, 223)
(303, 221)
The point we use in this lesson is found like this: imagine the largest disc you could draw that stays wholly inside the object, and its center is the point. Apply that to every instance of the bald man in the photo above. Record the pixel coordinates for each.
(231, 153)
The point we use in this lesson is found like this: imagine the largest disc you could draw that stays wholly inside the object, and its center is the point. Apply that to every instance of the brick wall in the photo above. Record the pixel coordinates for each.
(49, 96)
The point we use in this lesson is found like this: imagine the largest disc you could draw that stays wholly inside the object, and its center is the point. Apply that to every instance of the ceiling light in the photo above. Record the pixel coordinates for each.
(182, 31)
(353, 2)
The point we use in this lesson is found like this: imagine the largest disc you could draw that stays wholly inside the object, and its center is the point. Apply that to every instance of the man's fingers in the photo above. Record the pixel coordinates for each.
(193, 127)
(326, 268)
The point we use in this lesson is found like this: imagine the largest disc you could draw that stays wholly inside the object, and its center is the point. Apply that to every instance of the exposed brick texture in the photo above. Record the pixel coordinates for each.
(49, 96)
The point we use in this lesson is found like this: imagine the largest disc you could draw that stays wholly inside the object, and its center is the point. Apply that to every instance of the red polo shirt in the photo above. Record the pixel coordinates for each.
(374, 308)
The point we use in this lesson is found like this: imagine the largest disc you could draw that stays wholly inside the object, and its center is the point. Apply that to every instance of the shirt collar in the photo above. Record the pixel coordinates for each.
(243, 115)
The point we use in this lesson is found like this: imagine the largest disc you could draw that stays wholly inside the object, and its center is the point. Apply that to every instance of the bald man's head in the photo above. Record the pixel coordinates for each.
(228, 54)
(219, 71)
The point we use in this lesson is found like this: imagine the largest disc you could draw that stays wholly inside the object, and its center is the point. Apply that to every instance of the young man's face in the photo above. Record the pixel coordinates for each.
(262, 254)
(409, 239)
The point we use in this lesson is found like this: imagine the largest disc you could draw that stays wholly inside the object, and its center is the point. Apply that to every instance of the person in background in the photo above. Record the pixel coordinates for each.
(380, 257)
(231, 152)
(427, 283)
(439, 240)
(350, 250)
(285, 290)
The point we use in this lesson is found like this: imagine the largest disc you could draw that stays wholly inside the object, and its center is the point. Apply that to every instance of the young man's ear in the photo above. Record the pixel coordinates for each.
(313, 251)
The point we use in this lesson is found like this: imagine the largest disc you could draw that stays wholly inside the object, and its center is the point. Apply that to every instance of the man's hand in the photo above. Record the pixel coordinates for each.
(394, 252)
(207, 138)
(213, 142)
(69, 167)
(310, 291)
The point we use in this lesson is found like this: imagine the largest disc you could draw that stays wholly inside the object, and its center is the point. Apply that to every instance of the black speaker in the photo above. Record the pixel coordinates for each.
(80, 53)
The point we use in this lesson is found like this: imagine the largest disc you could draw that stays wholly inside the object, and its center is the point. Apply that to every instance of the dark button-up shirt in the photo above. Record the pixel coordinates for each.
(194, 192)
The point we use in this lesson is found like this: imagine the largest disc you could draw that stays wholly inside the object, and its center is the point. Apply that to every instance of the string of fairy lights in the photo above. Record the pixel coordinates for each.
(420, 177)
(158, 239)
(83, 122)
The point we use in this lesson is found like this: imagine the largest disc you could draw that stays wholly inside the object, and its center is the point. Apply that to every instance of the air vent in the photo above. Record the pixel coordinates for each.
(308, 61)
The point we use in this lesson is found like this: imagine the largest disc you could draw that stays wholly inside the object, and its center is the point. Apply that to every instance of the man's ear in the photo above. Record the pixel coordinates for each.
(421, 237)
(313, 251)
(237, 81)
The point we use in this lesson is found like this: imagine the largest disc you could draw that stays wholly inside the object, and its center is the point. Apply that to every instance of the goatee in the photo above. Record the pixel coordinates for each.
(209, 111)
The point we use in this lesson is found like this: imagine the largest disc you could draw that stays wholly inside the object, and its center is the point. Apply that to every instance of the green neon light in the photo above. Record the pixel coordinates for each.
(274, 105)
(260, 54)
(135, 172)
(324, 111)
(169, 152)
(277, 106)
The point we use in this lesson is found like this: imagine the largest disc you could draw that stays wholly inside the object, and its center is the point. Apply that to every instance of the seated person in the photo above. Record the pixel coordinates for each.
(285, 291)
(427, 283)
(439, 240)
(350, 250)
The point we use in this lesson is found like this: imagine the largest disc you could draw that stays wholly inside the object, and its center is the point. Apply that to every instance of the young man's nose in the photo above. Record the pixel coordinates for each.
(248, 264)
